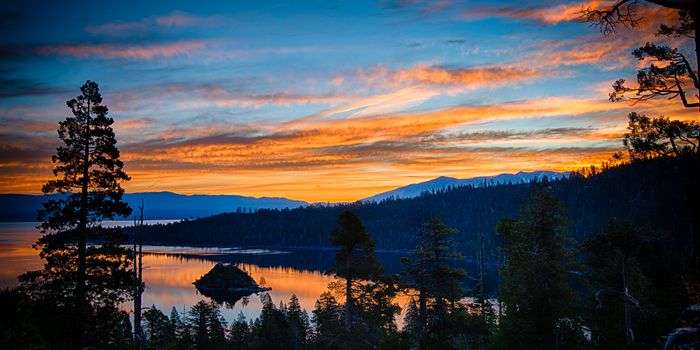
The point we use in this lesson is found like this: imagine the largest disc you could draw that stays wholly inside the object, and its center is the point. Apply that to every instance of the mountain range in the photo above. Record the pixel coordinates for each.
(168, 205)
(444, 182)
(158, 205)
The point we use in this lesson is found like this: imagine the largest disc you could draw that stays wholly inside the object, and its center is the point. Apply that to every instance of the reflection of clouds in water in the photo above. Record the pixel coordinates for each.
(169, 283)
(169, 280)
(16, 253)
(170, 271)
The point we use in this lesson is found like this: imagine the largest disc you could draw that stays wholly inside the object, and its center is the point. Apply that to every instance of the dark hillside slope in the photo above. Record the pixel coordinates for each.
(653, 194)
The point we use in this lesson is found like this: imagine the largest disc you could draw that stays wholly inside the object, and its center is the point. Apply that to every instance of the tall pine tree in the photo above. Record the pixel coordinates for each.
(540, 305)
(83, 279)
(368, 313)
(438, 284)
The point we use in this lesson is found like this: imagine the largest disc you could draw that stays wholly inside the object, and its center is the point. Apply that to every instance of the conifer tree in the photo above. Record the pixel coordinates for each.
(538, 299)
(354, 261)
(271, 330)
(239, 334)
(368, 292)
(299, 326)
(437, 283)
(157, 329)
(205, 323)
(326, 319)
(88, 181)
(619, 286)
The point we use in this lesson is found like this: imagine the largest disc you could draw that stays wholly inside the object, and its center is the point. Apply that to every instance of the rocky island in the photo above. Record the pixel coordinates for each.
(228, 278)
(226, 284)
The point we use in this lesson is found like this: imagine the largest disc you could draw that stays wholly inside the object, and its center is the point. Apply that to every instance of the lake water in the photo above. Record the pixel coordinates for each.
(169, 271)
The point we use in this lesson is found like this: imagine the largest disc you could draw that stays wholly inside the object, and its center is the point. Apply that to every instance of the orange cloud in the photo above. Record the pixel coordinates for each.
(651, 15)
(435, 75)
(546, 14)
(613, 52)
(479, 76)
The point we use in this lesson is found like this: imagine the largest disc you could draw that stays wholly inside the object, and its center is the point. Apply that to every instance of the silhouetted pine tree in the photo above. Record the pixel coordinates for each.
(368, 313)
(239, 336)
(299, 325)
(205, 324)
(540, 305)
(627, 308)
(157, 331)
(271, 330)
(326, 320)
(436, 282)
(77, 278)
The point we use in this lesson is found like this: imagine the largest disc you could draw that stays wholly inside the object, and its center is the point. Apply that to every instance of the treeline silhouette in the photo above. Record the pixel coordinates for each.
(652, 193)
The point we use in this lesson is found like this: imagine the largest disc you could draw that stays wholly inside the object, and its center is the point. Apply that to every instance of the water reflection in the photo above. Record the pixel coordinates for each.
(227, 299)
(169, 271)
(16, 253)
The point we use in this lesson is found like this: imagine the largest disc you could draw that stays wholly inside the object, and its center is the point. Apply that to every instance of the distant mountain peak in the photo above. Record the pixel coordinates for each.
(442, 182)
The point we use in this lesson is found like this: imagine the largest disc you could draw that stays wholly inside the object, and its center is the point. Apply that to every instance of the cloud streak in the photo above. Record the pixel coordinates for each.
(469, 77)
(125, 51)
(552, 14)
(176, 19)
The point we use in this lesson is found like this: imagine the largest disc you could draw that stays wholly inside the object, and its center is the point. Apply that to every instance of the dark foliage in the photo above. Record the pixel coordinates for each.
(80, 282)
(436, 284)
(538, 299)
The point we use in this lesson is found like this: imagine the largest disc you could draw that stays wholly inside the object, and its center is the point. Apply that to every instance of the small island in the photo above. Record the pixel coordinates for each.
(228, 278)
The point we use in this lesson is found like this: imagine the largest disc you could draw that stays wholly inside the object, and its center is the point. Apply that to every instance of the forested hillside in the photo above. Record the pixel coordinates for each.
(652, 194)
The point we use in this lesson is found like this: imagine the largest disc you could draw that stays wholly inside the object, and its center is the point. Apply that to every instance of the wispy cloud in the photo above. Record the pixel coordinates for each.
(124, 51)
(550, 14)
(470, 77)
(221, 95)
(174, 19)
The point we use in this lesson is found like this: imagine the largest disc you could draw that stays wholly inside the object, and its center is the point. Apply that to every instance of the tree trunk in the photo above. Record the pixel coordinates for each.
(422, 319)
(482, 295)
(696, 22)
(629, 334)
(348, 304)
(673, 145)
(80, 295)
(695, 190)
(138, 273)
(695, 223)
(137, 316)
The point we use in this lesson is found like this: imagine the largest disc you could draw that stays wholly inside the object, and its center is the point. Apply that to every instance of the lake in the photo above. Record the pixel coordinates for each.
(169, 271)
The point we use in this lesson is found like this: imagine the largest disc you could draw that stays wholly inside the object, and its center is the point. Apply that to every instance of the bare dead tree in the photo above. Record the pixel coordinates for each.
(138, 279)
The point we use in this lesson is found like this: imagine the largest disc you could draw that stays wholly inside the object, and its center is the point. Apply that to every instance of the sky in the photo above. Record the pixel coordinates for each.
(323, 101)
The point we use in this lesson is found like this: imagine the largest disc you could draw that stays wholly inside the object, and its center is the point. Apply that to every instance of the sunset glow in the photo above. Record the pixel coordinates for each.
(319, 101)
